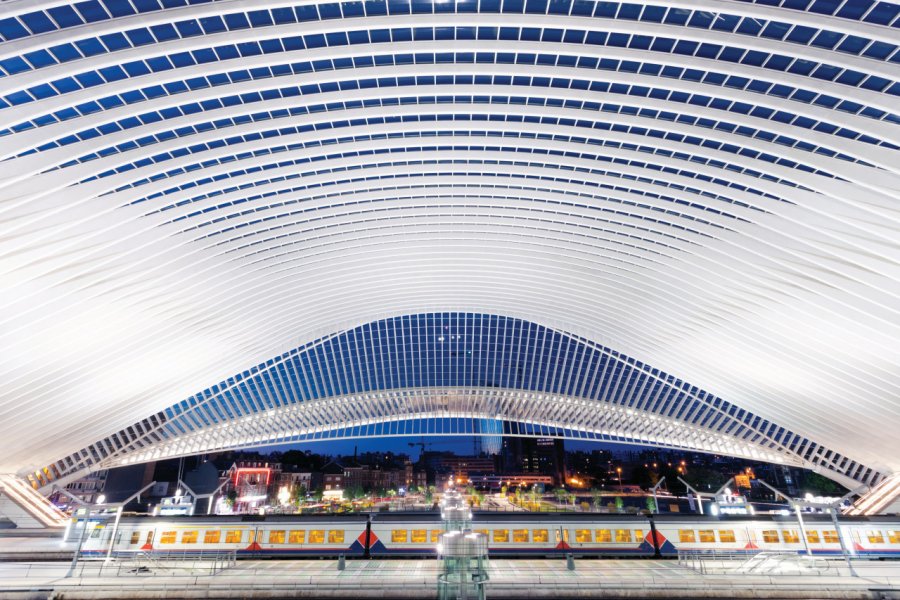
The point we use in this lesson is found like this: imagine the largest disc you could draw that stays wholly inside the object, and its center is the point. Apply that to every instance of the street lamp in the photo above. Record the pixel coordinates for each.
(619, 471)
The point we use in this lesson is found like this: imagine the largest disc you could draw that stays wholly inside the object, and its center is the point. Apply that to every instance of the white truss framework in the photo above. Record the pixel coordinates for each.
(707, 186)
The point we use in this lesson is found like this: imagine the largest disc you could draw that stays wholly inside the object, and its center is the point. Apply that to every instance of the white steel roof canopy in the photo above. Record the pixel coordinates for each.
(706, 189)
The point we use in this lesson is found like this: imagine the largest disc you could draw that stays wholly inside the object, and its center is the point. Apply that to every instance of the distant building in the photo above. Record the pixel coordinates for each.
(545, 456)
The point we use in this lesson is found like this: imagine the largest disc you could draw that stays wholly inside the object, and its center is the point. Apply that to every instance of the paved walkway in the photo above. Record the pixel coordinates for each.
(540, 578)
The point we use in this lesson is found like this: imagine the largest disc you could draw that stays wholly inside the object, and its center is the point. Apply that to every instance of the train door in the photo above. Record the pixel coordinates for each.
(562, 538)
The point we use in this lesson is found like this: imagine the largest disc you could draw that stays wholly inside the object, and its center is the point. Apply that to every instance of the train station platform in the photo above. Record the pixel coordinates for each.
(416, 579)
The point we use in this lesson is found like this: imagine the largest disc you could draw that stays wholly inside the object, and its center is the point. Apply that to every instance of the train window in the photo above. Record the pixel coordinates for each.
(875, 537)
(726, 536)
(812, 537)
(167, 537)
(276, 536)
(831, 536)
(686, 536)
(485, 532)
(233, 536)
(435, 535)
(336, 536)
(603, 536)
(540, 536)
(297, 536)
(419, 536)
(894, 536)
(317, 536)
(790, 536)
(638, 535)
(501, 535)
(623, 535)
(397, 535)
(707, 536)
(189, 537)
(212, 536)
(135, 537)
(583, 536)
(770, 536)
(520, 535)
(96, 532)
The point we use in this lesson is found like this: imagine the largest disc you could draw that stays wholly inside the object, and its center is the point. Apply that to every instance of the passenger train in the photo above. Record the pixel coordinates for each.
(509, 534)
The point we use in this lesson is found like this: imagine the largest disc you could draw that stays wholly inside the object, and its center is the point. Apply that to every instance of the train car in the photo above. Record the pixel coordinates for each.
(416, 534)
(874, 537)
(272, 536)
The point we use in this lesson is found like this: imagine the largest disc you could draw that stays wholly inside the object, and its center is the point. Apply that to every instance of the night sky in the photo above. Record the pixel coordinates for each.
(459, 445)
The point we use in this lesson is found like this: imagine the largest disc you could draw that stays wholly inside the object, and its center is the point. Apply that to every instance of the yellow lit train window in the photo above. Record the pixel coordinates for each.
(770, 536)
(189, 537)
(317, 536)
(397, 535)
(297, 536)
(539, 536)
(623, 535)
(435, 533)
(419, 536)
(686, 536)
(583, 536)
(501, 535)
(486, 532)
(875, 537)
(603, 536)
(790, 536)
(167, 537)
(336, 536)
(212, 536)
(812, 537)
(894, 536)
(276, 536)
(831, 536)
(233, 536)
(135, 537)
(726, 536)
(638, 535)
(520, 535)
(707, 536)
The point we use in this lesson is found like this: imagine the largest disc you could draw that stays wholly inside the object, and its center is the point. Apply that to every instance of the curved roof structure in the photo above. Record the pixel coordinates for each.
(703, 191)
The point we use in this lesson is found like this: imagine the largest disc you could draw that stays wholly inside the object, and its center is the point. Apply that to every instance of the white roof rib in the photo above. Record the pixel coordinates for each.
(675, 192)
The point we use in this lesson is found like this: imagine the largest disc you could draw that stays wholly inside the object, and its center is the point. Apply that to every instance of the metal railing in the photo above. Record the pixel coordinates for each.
(759, 562)
(171, 563)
